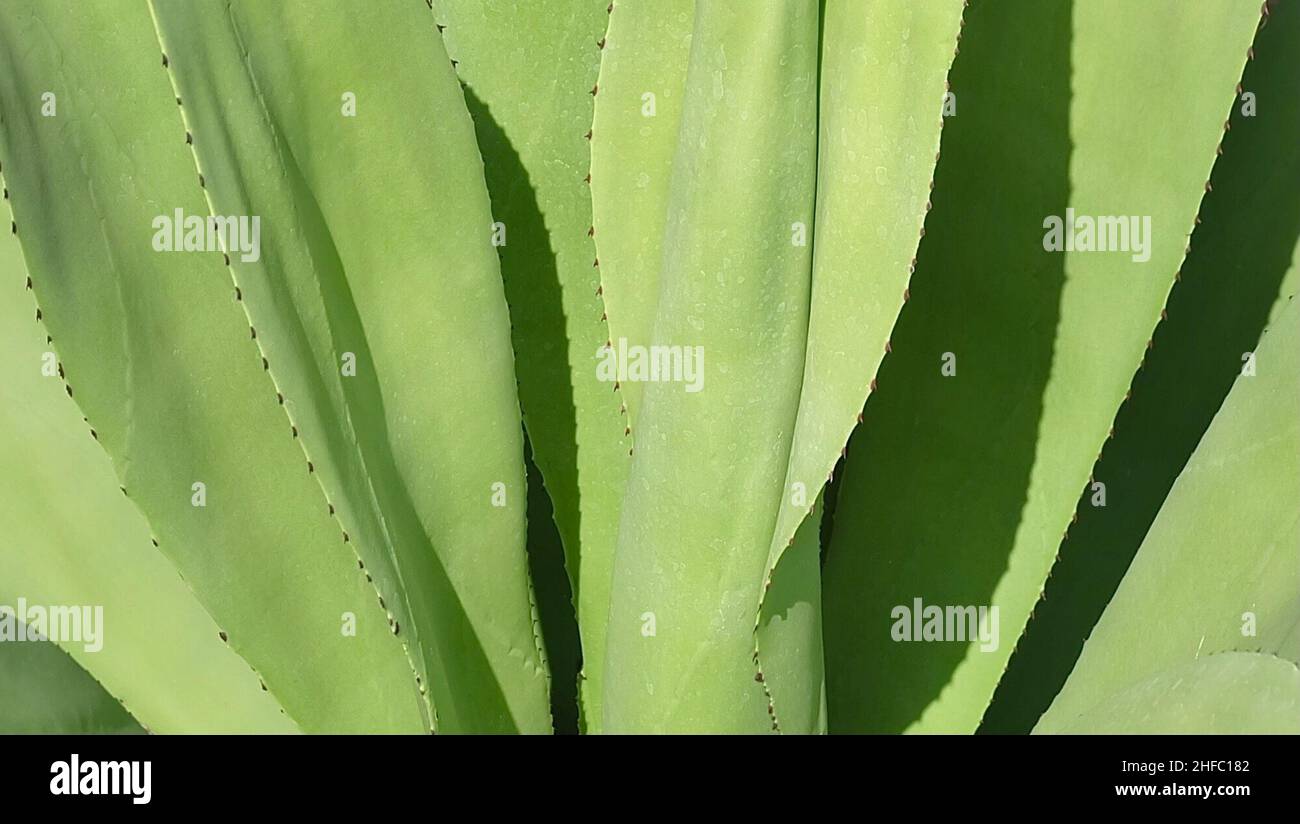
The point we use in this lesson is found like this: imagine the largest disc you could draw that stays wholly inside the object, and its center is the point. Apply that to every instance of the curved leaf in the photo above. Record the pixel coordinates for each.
(42, 690)
(1240, 269)
(788, 638)
(709, 464)
(1219, 570)
(1233, 693)
(73, 539)
(634, 137)
(1010, 360)
(883, 70)
(529, 67)
(159, 355)
(378, 304)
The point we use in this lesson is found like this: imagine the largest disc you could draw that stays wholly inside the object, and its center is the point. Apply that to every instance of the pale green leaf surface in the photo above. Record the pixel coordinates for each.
(634, 138)
(879, 131)
(707, 475)
(788, 638)
(43, 691)
(72, 538)
(883, 70)
(158, 353)
(529, 67)
(1240, 272)
(1231, 693)
(958, 489)
(1219, 570)
(376, 241)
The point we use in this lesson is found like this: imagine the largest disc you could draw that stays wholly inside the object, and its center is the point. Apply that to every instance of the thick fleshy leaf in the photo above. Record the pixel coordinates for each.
(158, 353)
(42, 690)
(1231, 693)
(378, 304)
(1010, 359)
(788, 639)
(879, 132)
(73, 539)
(530, 67)
(709, 466)
(555, 611)
(1220, 569)
(883, 73)
(1240, 271)
(634, 138)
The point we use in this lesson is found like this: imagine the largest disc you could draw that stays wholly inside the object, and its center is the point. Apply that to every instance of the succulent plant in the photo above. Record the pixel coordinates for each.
(672, 366)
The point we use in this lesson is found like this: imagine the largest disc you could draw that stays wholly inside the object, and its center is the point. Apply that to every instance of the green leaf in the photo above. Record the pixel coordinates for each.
(634, 138)
(959, 488)
(1238, 274)
(42, 690)
(788, 639)
(73, 539)
(878, 140)
(1220, 569)
(359, 157)
(1232, 693)
(529, 67)
(878, 115)
(555, 611)
(709, 465)
(158, 353)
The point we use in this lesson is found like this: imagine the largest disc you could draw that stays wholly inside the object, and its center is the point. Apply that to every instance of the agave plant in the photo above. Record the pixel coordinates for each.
(655, 366)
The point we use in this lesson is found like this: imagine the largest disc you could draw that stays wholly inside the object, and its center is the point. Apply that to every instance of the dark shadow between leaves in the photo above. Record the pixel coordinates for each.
(535, 296)
(554, 603)
(938, 472)
(1217, 312)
